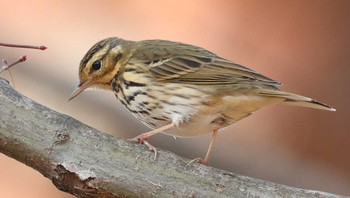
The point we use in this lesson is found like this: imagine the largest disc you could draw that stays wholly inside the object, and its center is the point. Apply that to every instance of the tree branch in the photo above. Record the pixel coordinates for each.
(87, 163)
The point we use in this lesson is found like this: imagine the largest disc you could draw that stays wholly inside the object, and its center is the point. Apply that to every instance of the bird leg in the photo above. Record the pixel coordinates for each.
(142, 138)
(207, 156)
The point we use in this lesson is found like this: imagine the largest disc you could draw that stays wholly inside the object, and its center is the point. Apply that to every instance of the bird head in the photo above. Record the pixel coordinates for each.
(101, 63)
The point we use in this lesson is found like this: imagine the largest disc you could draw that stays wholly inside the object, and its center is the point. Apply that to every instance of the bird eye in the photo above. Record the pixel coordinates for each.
(96, 65)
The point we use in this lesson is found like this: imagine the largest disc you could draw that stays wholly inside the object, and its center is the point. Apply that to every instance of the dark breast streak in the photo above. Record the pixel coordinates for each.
(142, 109)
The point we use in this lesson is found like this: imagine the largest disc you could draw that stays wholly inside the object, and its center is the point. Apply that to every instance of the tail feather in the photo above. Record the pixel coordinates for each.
(297, 100)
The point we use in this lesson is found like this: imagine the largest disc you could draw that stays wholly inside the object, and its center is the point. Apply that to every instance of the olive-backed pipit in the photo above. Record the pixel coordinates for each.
(180, 89)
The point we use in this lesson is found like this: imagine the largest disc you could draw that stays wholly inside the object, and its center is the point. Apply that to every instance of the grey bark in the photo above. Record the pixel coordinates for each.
(87, 163)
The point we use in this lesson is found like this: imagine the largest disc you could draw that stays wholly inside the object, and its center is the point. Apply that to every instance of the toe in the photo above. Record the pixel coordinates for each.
(151, 148)
(197, 160)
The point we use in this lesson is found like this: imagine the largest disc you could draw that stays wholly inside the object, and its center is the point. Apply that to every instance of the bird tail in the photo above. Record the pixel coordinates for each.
(297, 100)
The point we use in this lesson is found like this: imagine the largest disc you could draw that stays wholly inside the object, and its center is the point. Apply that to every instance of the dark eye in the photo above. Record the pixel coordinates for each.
(96, 65)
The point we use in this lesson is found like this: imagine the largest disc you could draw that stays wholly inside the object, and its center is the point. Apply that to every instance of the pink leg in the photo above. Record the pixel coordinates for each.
(207, 156)
(142, 138)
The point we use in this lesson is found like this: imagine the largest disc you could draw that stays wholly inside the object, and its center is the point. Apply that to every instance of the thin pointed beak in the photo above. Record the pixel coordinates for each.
(81, 87)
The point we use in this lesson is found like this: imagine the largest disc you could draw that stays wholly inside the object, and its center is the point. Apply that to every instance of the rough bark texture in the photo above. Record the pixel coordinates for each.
(87, 163)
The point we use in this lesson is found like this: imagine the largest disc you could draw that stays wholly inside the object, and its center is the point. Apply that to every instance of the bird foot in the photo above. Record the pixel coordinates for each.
(198, 160)
(141, 140)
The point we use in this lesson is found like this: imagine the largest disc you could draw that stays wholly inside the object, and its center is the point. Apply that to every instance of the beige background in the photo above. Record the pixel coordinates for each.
(304, 44)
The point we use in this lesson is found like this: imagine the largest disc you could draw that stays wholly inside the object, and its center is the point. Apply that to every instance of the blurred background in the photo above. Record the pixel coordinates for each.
(304, 44)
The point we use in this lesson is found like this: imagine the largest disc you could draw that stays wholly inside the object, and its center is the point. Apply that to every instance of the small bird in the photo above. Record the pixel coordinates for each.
(180, 89)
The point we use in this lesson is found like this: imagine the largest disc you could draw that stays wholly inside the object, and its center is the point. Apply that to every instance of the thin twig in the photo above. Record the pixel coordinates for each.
(41, 47)
(5, 66)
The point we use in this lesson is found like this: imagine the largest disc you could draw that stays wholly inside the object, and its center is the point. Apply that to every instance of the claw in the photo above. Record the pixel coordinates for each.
(140, 140)
(198, 160)
(151, 148)
(135, 140)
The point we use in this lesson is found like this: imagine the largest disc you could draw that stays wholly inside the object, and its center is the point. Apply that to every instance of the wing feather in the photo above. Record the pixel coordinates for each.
(182, 63)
